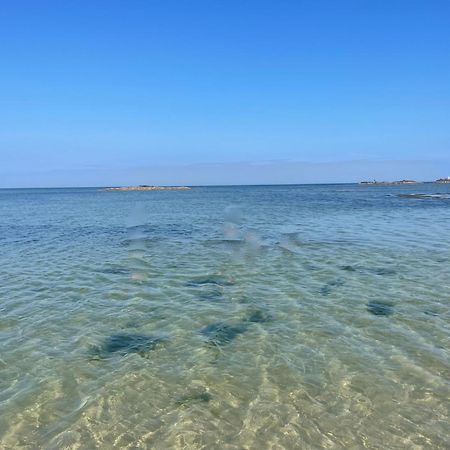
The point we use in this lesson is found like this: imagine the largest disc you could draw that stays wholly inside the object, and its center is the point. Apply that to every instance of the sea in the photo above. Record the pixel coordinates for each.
(225, 317)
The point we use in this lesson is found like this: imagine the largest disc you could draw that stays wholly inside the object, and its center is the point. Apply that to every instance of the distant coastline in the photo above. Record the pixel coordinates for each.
(171, 188)
(400, 182)
(388, 183)
(144, 187)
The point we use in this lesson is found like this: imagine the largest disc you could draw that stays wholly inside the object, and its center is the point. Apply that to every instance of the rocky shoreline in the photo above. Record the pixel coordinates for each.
(144, 187)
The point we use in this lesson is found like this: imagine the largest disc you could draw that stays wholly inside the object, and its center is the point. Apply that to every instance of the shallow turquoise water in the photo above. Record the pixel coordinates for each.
(225, 317)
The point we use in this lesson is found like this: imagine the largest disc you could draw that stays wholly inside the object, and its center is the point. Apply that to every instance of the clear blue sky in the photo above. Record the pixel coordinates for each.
(120, 92)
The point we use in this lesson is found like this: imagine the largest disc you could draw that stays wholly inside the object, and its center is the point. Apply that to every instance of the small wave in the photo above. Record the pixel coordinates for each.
(426, 196)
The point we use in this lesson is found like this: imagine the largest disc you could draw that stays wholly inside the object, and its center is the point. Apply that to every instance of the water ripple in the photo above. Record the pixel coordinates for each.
(302, 317)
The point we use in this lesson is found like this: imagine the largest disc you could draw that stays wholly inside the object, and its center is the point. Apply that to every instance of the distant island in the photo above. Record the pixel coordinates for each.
(388, 183)
(393, 183)
(145, 187)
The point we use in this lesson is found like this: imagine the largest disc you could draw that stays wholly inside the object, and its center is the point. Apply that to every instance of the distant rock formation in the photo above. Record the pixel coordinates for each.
(388, 183)
(144, 187)
(443, 180)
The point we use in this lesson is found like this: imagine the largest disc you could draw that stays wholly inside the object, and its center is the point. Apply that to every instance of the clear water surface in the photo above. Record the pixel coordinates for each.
(257, 317)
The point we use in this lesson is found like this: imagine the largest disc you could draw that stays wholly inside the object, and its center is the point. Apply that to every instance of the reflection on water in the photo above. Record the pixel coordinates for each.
(238, 317)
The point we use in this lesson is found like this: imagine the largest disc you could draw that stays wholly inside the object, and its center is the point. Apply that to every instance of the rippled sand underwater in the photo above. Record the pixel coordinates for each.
(225, 318)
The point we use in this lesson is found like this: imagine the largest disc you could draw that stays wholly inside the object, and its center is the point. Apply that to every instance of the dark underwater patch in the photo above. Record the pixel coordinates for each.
(258, 316)
(134, 323)
(210, 295)
(380, 308)
(115, 271)
(227, 243)
(437, 196)
(383, 271)
(312, 267)
(197, 397)
(213, 280)
(161, 230)
(141, 241)
(124, 343)
(290, 242)
(220, 333)
(327, 288)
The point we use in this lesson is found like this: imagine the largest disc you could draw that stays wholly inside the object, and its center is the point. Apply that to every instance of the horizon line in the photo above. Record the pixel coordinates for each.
(227, 185)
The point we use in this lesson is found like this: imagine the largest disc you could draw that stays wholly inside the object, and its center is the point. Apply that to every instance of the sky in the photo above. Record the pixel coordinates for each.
(96, 93)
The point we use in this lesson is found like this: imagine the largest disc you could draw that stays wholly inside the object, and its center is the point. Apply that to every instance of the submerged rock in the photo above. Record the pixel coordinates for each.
(197, 397)
(220, 333)
(380, 308)
(124, 343)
